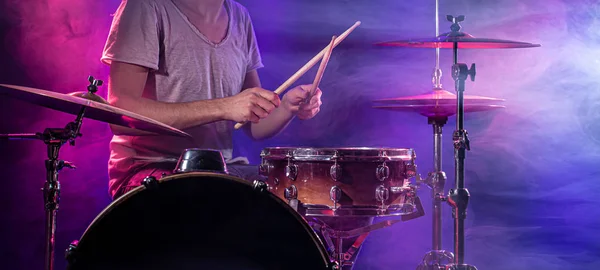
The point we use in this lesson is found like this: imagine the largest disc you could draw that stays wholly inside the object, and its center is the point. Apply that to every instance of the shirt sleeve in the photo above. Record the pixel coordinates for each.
(134, 35)
(254, 58)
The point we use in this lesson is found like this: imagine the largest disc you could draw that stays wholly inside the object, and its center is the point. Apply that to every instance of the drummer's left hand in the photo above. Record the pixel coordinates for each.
(295, 100)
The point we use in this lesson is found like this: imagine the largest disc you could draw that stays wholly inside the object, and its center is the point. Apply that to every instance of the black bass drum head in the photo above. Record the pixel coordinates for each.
(199, 221)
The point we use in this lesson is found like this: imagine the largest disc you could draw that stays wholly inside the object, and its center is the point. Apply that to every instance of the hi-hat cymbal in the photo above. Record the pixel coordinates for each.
(438, 103)
(437, 96)
(463, 40)
(96, 108)
(445, 110)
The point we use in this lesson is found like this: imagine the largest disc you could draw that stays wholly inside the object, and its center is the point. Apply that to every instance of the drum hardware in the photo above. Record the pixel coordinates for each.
(335, 171)
(335, 195)
(196, 160)
(260, 186)
(382, 172)
(291, 170)
(438, 106)
(55, 138)
(150, 182)
(458, 197)
(271, 236)
(344, 258)
(332, 182)
(436, 258)
(291, 195)
(80, 104)
(382, 194)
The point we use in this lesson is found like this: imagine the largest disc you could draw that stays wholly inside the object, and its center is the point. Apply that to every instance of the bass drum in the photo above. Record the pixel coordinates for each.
(199, 220)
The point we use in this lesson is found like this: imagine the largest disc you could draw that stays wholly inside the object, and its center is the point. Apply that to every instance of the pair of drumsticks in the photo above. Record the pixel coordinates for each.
(324, 54)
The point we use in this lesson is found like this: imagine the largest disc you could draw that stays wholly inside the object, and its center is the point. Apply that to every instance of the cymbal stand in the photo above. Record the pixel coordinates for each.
(54, 138)
(437, 258)
(458, 197)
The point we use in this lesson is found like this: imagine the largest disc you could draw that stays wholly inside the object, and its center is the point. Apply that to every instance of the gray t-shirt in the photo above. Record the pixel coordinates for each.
(185, 66)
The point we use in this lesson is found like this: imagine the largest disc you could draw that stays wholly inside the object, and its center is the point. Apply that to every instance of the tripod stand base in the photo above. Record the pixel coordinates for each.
(436, 260)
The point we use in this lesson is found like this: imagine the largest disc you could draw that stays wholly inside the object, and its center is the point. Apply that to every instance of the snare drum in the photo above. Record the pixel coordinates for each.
(342, 181)
(199, 220)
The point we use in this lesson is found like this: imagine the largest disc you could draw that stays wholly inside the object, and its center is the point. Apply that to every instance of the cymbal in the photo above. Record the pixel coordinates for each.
(438, 103)
(463, 40)
(96, 108)
(444, 110)
(437, 97)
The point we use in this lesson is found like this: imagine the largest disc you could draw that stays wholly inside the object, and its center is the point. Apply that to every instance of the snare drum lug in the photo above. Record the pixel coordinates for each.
(382, 194)
(276, 181)
(335, 194)
(382, 172)
(265, 168)
(150, 182)
(335, 171)
(291, 193)
(411, 168)
(291, 171)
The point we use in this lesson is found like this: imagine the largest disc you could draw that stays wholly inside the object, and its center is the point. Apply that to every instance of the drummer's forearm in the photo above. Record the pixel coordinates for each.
(271, 125)
(177, 115)
(125, 90)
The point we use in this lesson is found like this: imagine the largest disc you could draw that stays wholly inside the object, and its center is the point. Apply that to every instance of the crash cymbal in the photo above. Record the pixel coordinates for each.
(438, 97)
(96, 108)
(444, 110)
(463, 40)
(438, 103)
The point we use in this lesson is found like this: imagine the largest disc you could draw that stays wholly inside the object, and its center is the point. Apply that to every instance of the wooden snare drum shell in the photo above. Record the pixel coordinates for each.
(358, 183)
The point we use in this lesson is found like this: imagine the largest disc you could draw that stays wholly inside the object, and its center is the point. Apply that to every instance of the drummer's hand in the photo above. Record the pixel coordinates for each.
(295, 101)
(252, 104)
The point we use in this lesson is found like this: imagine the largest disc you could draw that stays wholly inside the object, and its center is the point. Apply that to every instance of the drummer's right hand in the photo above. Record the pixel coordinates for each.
(251, 105)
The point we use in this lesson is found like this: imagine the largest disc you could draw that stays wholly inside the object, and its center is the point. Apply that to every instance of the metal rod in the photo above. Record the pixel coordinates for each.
(437, 72)
(51, 198)
(437, 33)
(437, 189)
(459, 197)
(455, 53)
(340, 253)
(20, 136)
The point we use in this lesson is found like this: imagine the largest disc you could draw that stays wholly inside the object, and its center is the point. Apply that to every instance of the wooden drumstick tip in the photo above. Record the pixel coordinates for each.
(239, 125)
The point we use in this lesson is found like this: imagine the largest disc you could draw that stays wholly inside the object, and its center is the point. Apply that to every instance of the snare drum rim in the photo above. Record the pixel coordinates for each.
(372, 154)
(124, 197)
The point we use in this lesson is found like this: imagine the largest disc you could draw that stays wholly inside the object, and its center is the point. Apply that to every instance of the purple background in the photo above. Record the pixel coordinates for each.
(533, 169)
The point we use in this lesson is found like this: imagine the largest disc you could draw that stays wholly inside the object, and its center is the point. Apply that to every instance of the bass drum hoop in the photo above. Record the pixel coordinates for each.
(72, 251)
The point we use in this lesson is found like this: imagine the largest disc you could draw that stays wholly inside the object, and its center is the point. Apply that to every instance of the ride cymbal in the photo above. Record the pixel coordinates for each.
(463, 40)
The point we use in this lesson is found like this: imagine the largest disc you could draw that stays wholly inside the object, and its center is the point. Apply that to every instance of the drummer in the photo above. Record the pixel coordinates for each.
(192, 65)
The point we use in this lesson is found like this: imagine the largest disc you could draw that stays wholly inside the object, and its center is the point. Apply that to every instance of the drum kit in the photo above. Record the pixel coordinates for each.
(297, 216)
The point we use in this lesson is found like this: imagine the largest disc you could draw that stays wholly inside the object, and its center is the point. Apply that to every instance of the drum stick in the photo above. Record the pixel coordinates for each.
(309, 65)
(321, 69)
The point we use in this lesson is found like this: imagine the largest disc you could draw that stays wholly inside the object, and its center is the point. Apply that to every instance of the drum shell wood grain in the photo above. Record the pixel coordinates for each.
(358, 182)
